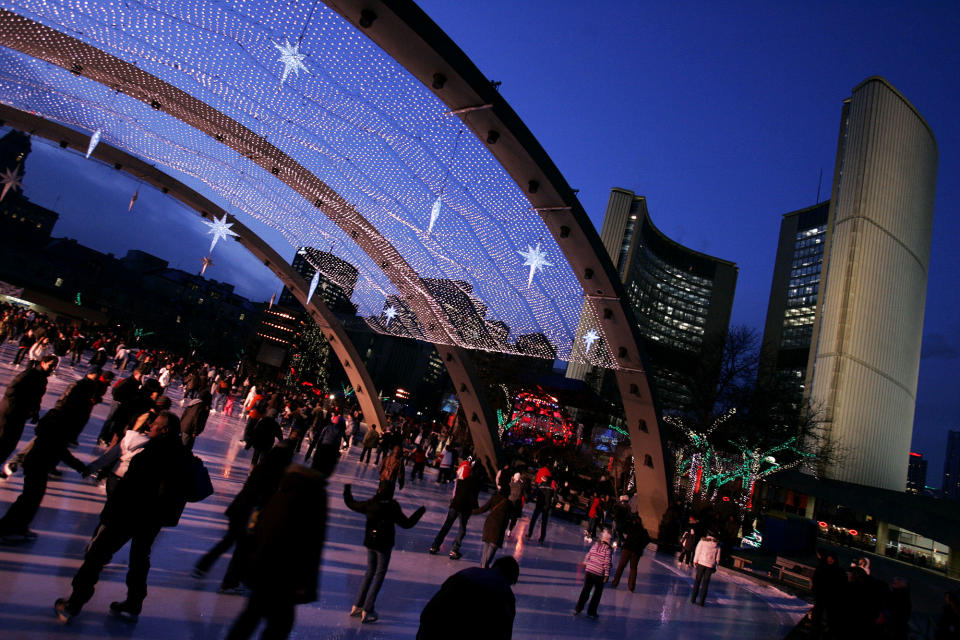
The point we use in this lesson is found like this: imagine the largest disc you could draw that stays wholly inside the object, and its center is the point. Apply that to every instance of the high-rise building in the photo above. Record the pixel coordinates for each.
(680, 298)
(951, 467)
(335, 285)
(847, 302)
(916, 473)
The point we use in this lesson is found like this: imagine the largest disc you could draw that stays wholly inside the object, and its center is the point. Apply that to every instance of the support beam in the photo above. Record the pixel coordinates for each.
(473, 401)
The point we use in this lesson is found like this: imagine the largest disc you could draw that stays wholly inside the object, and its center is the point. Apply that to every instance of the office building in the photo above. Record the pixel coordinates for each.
(680, 298)
(916, 473)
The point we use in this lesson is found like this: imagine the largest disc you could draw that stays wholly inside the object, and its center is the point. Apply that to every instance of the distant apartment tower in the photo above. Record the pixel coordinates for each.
(916, 473)
(868, 290)
(951, 467)
(337, 280)
(680, 298)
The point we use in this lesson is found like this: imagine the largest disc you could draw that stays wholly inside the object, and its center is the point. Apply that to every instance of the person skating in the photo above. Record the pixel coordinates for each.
(419, 463)
(482, 596)
(260, 486)
(597, 565)
(635, 540)
(261, 438)
(194, 417)
(371, 439)
(23, 346)
(150, 496)
(122, 392)
(21, 401)
(516, 488)
(705, 559)
(495, 526)
(465, 493)
(688, 542)
(286, 552)
(382, 512)
(391, 468)
(543, 504)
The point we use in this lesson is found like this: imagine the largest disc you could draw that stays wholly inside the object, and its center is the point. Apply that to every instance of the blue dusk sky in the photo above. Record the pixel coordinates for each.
(722, 114)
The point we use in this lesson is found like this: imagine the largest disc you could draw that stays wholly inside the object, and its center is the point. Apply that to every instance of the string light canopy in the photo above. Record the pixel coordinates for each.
(335, 107)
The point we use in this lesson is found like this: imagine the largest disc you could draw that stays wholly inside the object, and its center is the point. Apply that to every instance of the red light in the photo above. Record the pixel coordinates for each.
(916, 455)
(823, 525)
(726, 499)
(854, 532)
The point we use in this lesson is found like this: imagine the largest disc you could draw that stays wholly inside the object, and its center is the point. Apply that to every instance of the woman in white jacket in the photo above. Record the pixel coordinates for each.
(705, 559)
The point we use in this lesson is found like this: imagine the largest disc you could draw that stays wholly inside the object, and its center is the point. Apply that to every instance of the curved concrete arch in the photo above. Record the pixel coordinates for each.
(331, 326)
(407, 34)
(44, 43)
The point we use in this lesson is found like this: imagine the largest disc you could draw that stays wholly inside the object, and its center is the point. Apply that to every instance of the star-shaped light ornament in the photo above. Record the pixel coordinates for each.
(314, 281)
(589, 338)
(536, 259)
(434, 213)
(206, 262)
(219, 229)
(390, 313)
(10, 179)
(291, 58)
(94, 141)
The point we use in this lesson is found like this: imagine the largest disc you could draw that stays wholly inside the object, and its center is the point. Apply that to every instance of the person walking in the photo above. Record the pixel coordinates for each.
(597, 565)
(260, 486)
(382, 512)
(482, 596)
(705, 559)
(635, 539)
(151, 495)
(543, 505)
(286, 552)
(495, 526)
(464, 501)
(21, 401)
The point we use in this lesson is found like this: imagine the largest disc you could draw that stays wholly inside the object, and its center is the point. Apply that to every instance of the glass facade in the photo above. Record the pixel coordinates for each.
(803, 287)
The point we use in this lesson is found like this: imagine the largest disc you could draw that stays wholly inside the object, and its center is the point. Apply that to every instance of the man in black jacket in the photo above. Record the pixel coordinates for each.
(123, 392)
(150, 495)
(20, 402)
(461, 506)
(635, 540)
(482, 596)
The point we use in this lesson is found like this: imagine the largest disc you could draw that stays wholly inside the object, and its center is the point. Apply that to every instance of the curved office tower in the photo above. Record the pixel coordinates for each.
(863, 375)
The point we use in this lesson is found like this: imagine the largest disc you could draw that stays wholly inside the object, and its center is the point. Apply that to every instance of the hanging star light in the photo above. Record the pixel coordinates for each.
(314, 281)
(390, 313)
(133, 199)
(434, 213)
(94, 141)
(219, 229)
(206, 262)
(291, 58)
(10, 179)
(589, 338)
(536, 259)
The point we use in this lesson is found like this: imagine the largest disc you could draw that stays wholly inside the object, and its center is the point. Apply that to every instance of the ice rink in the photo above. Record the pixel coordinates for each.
(34, 574)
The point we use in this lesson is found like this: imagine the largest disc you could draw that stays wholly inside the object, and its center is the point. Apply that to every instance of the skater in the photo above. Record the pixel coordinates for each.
(516, 490)
(597, 565)
(688, 542)
(391, 469)
(446, 465)
(705, 559)
(194, 418)
(382, 513)
(264, 433)
(635, 540)
(286, 550)
(594, 516)
(464, 501)
(122, 392)
(21, 401)
(151, 495)
(495, 526)
(482, 596)
(371, 439)
(419, 463)
(543, 505)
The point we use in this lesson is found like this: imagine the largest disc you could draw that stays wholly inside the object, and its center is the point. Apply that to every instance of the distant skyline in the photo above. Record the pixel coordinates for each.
(722, 116)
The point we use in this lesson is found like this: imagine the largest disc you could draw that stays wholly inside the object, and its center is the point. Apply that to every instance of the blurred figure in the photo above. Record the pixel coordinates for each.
(482, 596)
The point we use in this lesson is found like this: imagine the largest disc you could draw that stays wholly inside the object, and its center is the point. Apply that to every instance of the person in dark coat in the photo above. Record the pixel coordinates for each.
(285, 566)
(495, 526)
(262, 436)
(20, 402)
(391, 468)
(829, 582)
(382, 512)
(123, 392)
(151, 495)
(260, 486)
(481, 596)
(461, 508)
(543, 504)
(23, 346)
(194, 417)
(635, 540)
(143, 401)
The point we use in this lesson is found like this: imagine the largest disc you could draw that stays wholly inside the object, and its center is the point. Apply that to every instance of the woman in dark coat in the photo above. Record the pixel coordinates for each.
(194, 417)
(20, 402)
(383, 512)
(495, 526)
(285, 564)
(262, 436)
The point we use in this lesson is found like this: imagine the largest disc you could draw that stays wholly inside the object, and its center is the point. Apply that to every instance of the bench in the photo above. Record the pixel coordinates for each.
(739, 562)
(795, 573)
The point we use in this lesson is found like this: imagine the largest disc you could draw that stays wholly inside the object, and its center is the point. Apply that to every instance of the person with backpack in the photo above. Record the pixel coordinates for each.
(382, 512)
(151, 495)
(635, 540)
(597, 565)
